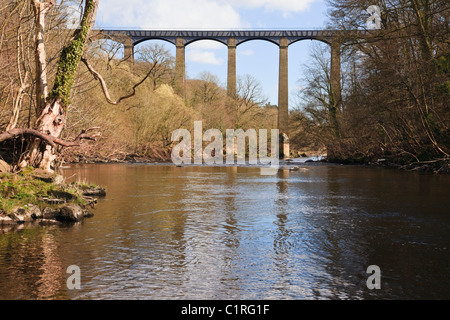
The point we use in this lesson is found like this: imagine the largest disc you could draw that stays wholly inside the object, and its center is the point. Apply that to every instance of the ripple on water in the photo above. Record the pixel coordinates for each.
(229, 233)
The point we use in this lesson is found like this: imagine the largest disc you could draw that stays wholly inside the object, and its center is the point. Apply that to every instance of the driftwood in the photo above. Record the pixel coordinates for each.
(49, 139)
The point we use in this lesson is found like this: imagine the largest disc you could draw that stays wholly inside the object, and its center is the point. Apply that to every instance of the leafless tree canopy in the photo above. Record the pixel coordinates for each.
(395, 82)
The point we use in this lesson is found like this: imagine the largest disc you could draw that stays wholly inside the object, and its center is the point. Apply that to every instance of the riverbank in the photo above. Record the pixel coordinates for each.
(32, 196)
(438, 166)
(92, 154)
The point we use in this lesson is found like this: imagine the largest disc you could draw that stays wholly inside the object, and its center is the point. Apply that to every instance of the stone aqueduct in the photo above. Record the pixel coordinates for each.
(282, 38)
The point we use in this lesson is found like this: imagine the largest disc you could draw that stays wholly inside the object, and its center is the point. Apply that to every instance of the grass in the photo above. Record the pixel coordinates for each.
(20, 189)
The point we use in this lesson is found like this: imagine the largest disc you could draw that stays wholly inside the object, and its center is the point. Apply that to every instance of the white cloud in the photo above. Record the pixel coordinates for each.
(169, 14)
(287, 7)
(202, 56)
(189, 14)
(248, 52)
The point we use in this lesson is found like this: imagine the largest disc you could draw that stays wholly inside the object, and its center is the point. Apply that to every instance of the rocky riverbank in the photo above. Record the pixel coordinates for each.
(34, 197)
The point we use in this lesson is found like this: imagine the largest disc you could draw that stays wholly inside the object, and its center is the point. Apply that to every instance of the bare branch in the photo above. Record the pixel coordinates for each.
(99, 77)
(49, 139)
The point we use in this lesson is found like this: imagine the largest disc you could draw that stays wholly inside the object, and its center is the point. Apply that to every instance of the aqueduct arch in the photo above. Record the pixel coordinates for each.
(282, 38)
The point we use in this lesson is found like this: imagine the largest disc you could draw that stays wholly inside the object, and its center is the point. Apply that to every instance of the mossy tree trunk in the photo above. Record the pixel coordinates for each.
(52, 113)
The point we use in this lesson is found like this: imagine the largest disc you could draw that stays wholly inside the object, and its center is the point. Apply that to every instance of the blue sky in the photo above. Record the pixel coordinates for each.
(258, 58)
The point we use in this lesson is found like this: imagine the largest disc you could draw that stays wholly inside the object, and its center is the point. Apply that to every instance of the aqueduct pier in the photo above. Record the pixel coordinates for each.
(282, 38)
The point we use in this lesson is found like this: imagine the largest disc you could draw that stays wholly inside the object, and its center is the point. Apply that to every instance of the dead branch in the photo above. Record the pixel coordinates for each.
(99, 77)
(49, 139)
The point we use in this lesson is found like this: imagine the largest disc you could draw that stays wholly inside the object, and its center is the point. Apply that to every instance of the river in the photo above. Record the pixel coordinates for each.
(203, 232)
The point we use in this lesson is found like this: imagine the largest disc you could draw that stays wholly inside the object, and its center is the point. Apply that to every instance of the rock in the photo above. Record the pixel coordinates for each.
(70, 213)
(91, 201)
(67, 196)
(87, 214)
(34, 211)
(4, 167)
(26, 214)
(49, 213)
(48, 177)
(43, 175)
(19, 215)
(6, 220)
(95, 192)
(29, 213)
(53, 201)
(295, 168)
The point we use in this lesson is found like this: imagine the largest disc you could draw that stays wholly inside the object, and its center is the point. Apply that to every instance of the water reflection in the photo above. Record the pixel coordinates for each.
(165, 232)
(30, 265)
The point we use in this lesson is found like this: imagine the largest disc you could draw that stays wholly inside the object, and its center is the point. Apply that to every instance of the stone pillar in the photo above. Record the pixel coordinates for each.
(231, 76)
(284, 146)
(335, 72)
(283, 90)
(283, 99)
(180, 68)
(128, 53)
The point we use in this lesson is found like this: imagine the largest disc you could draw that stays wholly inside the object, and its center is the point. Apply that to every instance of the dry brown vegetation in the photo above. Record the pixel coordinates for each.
(395, 90)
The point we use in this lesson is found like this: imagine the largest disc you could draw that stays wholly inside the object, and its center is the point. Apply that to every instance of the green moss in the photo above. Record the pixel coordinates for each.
(20, 189)
(70, 58)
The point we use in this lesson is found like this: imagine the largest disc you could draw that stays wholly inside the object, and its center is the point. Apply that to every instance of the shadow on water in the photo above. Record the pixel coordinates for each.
(165, 232)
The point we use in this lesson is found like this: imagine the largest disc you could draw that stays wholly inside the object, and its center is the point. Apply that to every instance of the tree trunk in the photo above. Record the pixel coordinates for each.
(40, 10)
(40, 154)
(52, 117)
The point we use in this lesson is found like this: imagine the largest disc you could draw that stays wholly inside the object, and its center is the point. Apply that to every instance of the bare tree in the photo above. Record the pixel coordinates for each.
(399, 104)
(161, 62)
(249, 102)
(51, 105)
(317, 95)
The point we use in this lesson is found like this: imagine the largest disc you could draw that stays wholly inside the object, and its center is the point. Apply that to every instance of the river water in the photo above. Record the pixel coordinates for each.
(167, 232)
